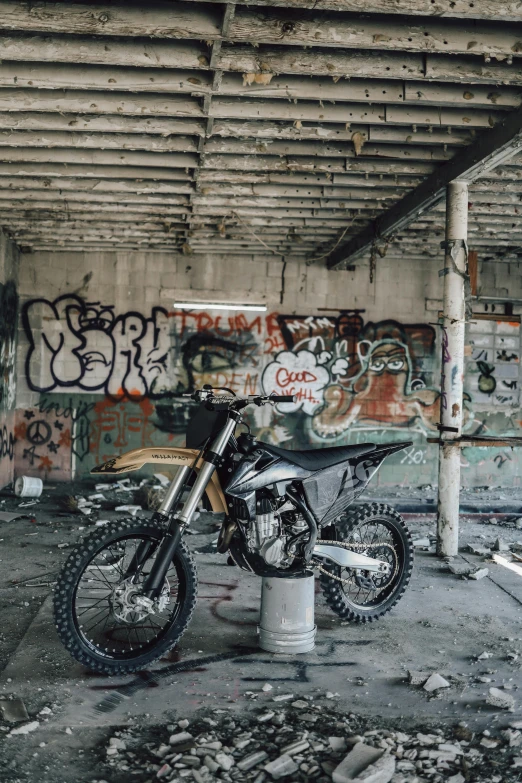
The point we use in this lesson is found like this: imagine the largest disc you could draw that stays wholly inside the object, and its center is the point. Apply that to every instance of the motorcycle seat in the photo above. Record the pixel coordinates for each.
(317, 459)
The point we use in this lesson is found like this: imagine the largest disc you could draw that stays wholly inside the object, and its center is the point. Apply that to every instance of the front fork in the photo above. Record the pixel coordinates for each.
(167, 549)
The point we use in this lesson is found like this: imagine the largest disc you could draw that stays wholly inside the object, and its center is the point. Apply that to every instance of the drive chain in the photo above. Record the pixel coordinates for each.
(353, 546)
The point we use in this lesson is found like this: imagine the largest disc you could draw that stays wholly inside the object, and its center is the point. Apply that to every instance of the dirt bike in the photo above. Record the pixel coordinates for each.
(127, 592)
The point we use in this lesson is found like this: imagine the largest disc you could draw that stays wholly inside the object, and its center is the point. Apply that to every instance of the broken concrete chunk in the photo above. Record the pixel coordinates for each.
(484, 656)
(13, 710)
(132, 510)
(458, 778)
(252, 760)
(478, 550)
(300, 704)
(500, 699)
(418, 678)
(117, 743)
(295, 747)
(435, 682)
(500, 546)
(358, 759)
(480, 574)
(337, 743)
(225, 762)
(380, 770)
(27, 728)
(421, 542)
(461, 569)
(180, 738)
(284, 765)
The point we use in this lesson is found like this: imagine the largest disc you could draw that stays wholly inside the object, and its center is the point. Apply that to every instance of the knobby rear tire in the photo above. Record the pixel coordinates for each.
(333, 590)
(69, 578)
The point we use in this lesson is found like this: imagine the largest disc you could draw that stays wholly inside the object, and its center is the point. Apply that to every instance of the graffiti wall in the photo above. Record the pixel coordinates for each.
(8, 323)
(111, 381)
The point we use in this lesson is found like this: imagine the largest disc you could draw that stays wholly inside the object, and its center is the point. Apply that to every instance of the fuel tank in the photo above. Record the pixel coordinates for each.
(260, 469)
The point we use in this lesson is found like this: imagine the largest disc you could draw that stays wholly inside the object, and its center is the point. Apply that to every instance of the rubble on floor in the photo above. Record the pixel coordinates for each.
(221, 745)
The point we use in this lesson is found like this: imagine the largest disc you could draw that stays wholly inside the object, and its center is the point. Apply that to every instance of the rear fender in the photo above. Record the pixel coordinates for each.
(136, 459)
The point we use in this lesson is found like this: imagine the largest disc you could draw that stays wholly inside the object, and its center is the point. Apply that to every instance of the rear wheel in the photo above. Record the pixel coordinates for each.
(378, 531)
(97, 608)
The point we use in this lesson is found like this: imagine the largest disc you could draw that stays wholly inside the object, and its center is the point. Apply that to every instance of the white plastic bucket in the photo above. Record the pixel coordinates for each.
(26, 487)
(287, 614)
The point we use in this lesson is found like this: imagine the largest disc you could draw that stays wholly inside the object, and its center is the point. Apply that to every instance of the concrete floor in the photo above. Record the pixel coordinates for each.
(443, 623)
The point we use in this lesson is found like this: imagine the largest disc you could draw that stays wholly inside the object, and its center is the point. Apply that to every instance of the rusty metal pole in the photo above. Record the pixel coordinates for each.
(452, 369)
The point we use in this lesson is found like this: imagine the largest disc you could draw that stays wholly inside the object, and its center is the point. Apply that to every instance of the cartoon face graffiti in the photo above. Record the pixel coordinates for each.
(384, 393)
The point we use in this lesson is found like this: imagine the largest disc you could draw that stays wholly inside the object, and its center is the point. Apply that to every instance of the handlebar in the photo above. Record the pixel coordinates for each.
(207, 394)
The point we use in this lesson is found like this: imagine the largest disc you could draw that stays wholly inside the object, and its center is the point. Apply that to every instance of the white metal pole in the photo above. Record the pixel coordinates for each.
(452, 369)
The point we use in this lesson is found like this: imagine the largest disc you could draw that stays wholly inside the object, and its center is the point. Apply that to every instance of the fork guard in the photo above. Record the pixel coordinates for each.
(138, 458)
(346, 558)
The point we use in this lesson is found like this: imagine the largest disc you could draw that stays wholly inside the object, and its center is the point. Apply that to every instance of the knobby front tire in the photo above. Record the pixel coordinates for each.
(82, 568)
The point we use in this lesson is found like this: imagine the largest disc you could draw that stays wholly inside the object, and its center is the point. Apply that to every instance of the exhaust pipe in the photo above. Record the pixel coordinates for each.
(346, 558)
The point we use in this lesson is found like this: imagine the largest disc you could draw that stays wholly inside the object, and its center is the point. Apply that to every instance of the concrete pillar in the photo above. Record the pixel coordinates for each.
(452, 369)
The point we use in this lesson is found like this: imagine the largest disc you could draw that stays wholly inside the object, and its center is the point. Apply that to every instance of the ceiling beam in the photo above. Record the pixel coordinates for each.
(491, 149)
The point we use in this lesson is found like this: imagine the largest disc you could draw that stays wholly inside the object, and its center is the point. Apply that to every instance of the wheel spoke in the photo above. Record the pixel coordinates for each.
(100, 615)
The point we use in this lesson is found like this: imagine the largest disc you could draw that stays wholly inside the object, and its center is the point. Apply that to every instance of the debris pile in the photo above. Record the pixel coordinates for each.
(306, 741)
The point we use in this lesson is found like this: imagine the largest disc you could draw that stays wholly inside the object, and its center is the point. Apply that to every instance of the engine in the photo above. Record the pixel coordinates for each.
(276, 525)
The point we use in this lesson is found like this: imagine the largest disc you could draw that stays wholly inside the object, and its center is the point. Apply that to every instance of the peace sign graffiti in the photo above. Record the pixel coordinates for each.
(38, 432)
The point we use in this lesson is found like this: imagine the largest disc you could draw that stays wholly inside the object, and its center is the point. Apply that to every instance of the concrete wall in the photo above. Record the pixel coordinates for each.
(8, 339)
(104, 356)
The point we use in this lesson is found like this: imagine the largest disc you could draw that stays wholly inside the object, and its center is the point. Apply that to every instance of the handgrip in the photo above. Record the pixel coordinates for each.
(283, 397)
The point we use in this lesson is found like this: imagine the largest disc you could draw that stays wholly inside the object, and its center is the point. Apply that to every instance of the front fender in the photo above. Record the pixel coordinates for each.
(136, 459)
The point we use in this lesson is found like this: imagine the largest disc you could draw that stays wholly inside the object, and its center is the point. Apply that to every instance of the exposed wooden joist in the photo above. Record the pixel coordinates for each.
(54, 121)
(20, 47)
(95, 171)
(478, 9)
(366, 64)
(161, 20)
(310, 111)
(93, 77)
(98, 141)
(273, 25)
(489, 150)
(123, 199)
(75, 101)
(176, 160)
(364, 32)
(117, 186)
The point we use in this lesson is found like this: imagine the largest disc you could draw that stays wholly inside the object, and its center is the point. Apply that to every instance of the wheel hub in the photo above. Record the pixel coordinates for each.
(370, 581)
(130, 606)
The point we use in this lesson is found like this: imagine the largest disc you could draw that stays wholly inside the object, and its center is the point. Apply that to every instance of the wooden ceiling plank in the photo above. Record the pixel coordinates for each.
(77, 102)
(97, 141)
(162, 19)
(326, 29)
(177, 160)
(504, 10)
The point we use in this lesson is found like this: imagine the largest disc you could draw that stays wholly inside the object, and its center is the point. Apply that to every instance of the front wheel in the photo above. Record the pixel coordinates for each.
(97, 608)
(378, 531)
